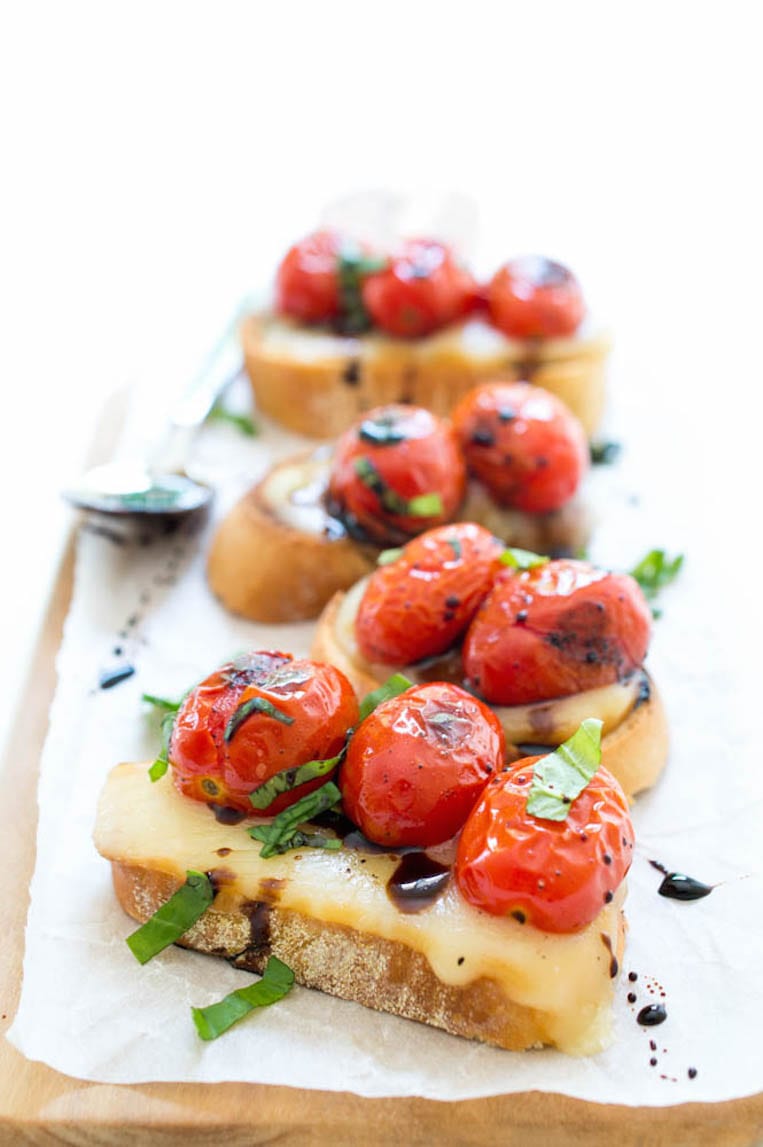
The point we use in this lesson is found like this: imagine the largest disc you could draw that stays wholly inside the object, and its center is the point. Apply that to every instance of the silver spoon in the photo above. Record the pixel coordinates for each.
(162, 486)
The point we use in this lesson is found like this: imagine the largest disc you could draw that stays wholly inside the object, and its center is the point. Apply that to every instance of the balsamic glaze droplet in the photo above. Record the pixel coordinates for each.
(677, 886)
(417, 882)
(652, 1015)
(111, 677)
(225, 815)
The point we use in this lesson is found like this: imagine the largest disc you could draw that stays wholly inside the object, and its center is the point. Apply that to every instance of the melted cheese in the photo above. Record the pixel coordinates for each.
(294, 492)
(542, 723)
(565, 977)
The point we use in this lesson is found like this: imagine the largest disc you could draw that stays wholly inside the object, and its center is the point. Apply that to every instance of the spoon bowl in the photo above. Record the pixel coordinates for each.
(130, 488)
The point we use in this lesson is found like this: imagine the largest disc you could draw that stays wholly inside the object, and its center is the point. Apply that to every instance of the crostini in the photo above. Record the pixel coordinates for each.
(351, 329)
(545, 643)
(416, 896)
(513, 459)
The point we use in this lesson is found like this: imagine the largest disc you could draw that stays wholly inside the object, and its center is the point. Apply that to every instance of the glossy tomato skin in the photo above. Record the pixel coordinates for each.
(307, 281)
(533, 297)
(392, 455)
(558, 629)
(552, 875)
(417, 765)
(419, 605)
(318, 699)
(523, 444)
(422, 289)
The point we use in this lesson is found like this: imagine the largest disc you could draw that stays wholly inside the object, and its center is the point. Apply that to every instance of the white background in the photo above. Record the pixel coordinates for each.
(159, 157)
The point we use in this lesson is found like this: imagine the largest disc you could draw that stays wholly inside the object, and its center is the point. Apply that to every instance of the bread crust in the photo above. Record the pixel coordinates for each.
(263, 569)
(322, 394)
(635, 752)
(378, 973)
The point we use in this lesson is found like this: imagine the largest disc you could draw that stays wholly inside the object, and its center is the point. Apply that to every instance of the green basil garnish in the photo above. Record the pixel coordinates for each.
(654, 571)
(173, 919)
(455, 545)
(165, 704)
(276, 982)
(604, 453)
(162, 762)
(254, 705)
(392, 687)
(563, 774)
(522, 559)
(289, 779)
(381, 431)
(426, 506)
(422, 506)
(283, 832)
(386, 557)
(242, 422)
(352, 268)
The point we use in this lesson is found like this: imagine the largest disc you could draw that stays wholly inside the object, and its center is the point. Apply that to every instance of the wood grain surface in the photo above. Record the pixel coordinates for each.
(39, 1106)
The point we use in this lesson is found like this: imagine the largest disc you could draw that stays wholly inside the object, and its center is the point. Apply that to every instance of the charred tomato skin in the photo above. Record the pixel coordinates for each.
(422, 289)
(395, 453)
(558, 629)
(552, 875)
(317, 700)
(419, 605)
(418, 764)
(307, 280)
(523, 444)
(533, 297)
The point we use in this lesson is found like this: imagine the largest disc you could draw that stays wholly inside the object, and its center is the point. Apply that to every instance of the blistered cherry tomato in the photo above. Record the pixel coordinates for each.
(553, 875)
(557, 629)
(422, 289)
(307, 281)
(523, 444)
(416, 767)
(306, 710)
(533, 297)
(419, 605)
(396, 472)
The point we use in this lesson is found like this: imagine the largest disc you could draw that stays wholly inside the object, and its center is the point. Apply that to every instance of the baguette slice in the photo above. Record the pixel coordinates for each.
(328, 916)
(317, 383)
(635, 733)
(279, 556)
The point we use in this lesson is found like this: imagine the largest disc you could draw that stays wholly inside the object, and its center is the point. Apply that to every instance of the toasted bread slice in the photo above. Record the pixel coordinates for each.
(279, 556)
(635, 732)
(328, 915)
(317, 383)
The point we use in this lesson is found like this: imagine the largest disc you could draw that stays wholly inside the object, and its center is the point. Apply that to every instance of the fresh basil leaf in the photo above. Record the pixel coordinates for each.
(656, 570)
(421, 506)
(383, 430)
(254, 705)
(298, 839)
(522, 559)
(163, 703)
(242, 422)
(276, 982)
(158, 769)
(289, 779)
(170, 922)
(604, 453)
(283, 828)
(563, 774)
(352, 268)
(386, 557)
(162, 762)
(392, 687)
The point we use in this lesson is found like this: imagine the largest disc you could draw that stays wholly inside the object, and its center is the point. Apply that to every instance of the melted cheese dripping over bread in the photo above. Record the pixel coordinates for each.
(567, 978)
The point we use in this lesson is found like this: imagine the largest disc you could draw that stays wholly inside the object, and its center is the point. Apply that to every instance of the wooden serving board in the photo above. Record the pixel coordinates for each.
(41, 1106)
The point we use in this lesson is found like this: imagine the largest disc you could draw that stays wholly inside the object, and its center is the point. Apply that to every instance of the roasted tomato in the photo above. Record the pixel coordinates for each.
(419, 605)
(532, 297)
(422, 289)
(523, 444)
(416, 767)
(554, 875)
(396, 472)
(302, 712)
(557, 629)
(307, 281)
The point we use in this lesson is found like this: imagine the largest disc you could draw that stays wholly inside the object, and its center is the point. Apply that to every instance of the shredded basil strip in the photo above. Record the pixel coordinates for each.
(392, 687)
(656, 570)
(604, 453)
(280, 833)
(563, 774)
(162, 762)
(386, 557)
(276, 982)
(254, 705)
(163, 703)
(522, 559)
(352, 268)
(422, 506)
(455, 545)
(242, 422)
(289, 779)
(174, 918)
(381, 431)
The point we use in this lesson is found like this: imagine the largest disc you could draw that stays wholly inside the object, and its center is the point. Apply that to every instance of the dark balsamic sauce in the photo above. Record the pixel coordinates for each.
(614, 967)
(258, 913)
(652, 1015)
(225, 815)
(678, 886)
(111, 677)
(417, 882)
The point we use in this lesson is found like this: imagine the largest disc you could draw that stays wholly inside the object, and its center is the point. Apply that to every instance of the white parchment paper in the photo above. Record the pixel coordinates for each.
(89, 1010)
